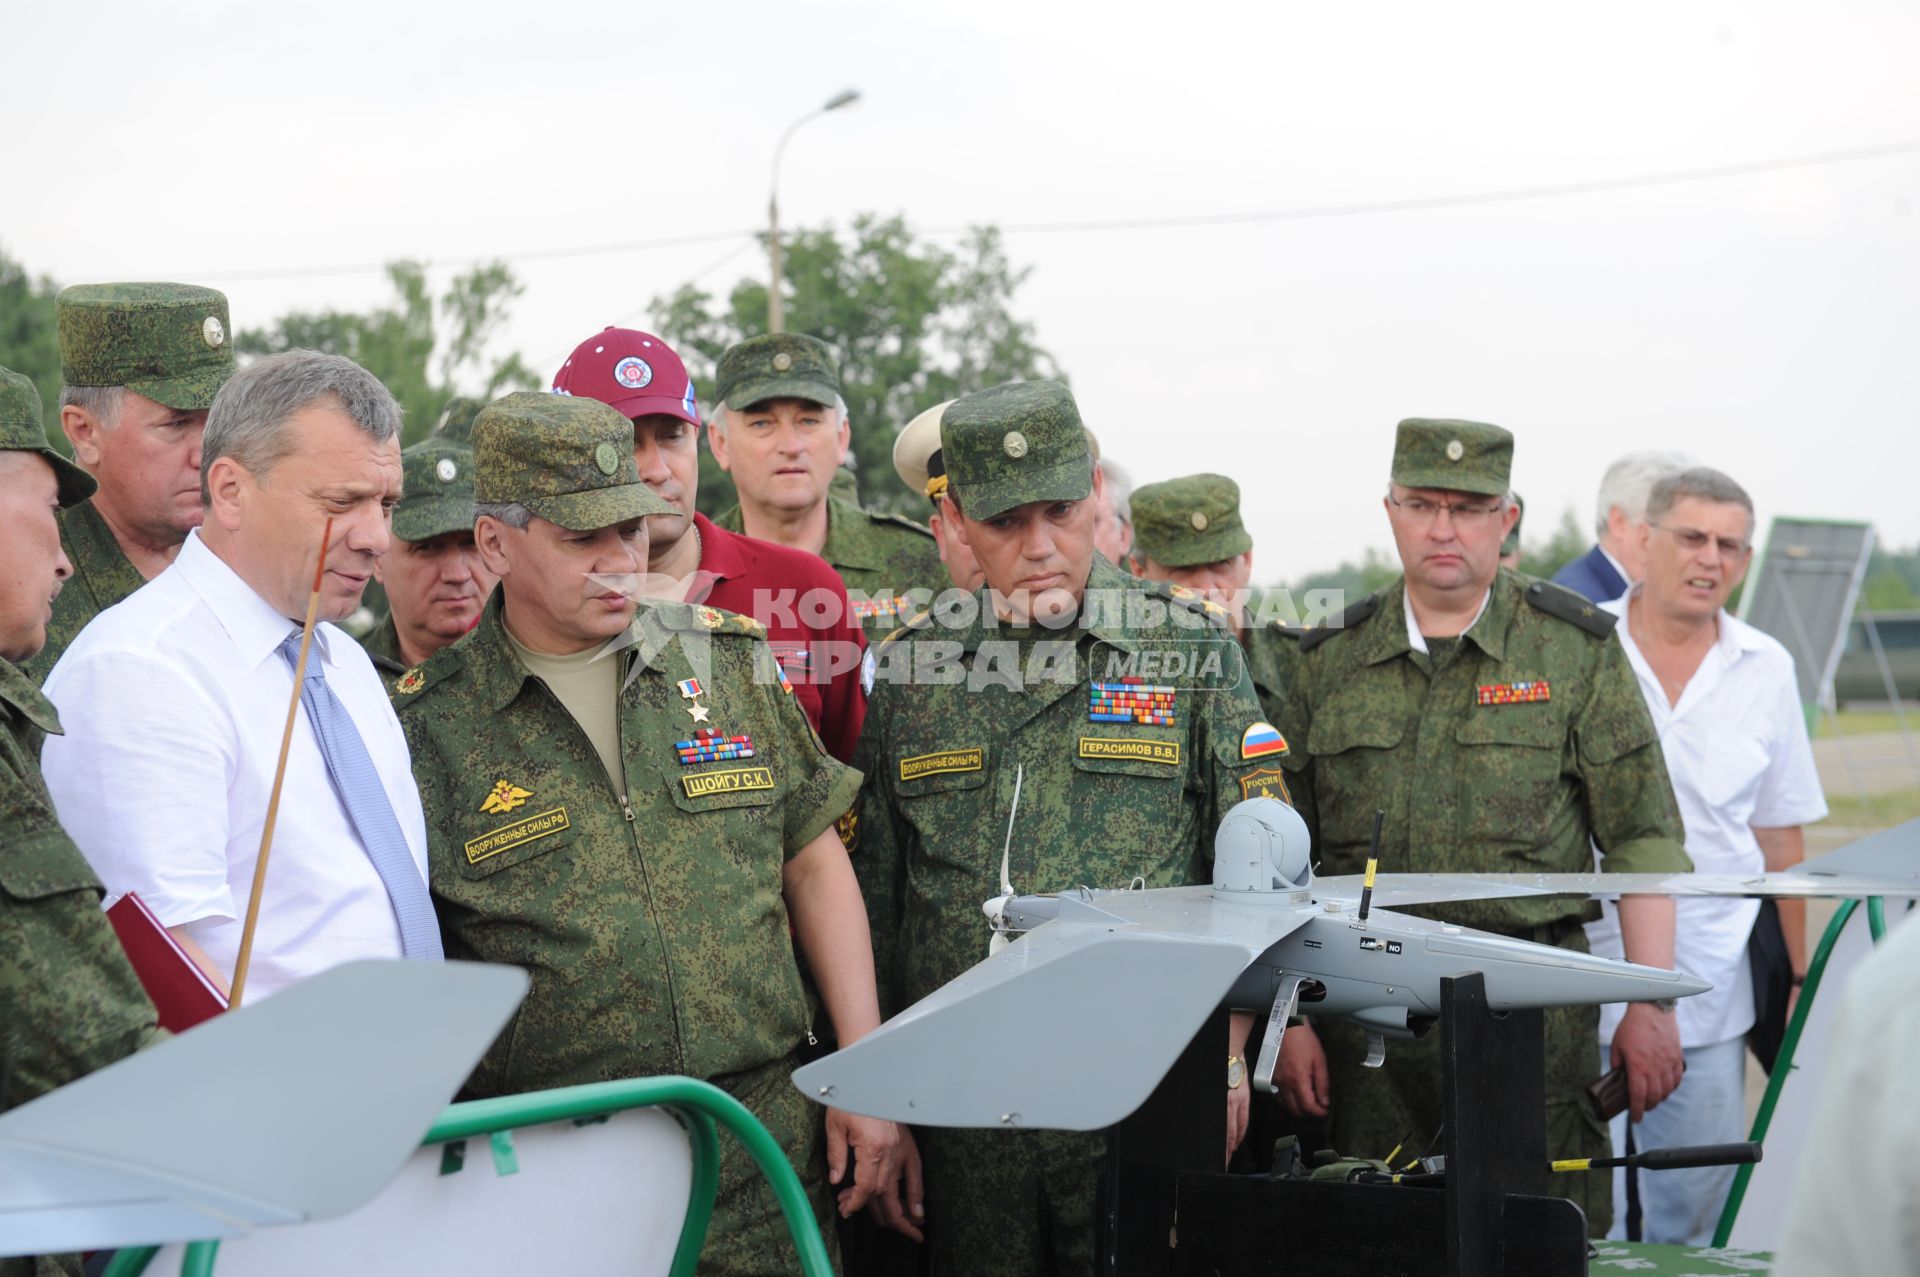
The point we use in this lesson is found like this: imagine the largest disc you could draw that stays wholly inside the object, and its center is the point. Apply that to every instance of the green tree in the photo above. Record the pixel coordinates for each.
(1375, 570)
(913, 324)
(29, 341)
(1569, 541)
(398, 341)
(1893, 581)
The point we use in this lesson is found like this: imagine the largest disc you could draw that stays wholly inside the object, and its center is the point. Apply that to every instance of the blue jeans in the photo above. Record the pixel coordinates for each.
(1682, 1208)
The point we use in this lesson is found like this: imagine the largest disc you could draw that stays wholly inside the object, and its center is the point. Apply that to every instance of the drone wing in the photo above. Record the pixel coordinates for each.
(1884, 864)
(1173, 952)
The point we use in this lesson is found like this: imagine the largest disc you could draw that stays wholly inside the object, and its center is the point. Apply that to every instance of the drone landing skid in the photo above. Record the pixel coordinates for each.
(1284, 1003)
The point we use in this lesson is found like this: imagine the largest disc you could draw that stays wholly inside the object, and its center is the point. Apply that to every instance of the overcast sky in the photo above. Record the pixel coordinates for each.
(1768, 323)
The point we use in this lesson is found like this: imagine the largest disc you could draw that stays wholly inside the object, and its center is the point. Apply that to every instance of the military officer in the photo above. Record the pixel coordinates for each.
(1510, 548)
(433, 576)
(1496, 720)
(1057, 673)
(1188, 531)
(69, 1002)
(628, 807)
(917, 460)
(141, 364)
(780, 429)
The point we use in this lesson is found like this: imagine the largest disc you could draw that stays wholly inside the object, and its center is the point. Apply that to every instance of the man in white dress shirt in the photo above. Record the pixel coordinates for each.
(176, 698)
(1724, 700)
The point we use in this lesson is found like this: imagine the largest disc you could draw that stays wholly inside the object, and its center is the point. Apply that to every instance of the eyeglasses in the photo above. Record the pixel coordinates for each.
(1694, 541)
(1469, 514)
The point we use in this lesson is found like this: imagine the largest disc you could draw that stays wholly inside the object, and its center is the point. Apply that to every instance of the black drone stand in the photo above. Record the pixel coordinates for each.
(1167, 1211)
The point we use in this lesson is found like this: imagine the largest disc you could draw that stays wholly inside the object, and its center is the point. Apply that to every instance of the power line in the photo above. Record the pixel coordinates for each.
(1510, 195)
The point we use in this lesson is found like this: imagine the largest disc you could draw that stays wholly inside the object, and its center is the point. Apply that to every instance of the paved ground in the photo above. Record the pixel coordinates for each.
(1869, 764)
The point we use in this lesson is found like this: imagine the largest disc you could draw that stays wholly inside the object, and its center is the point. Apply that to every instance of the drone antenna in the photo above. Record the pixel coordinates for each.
(1006, 848)
(1373, 863)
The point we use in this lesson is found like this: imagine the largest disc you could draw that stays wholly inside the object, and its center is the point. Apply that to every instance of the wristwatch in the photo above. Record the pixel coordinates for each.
(1664, 1004)
(1236, 1072)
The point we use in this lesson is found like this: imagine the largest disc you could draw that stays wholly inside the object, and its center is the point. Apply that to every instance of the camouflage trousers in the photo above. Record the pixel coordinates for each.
(1376, 1109)
(1010, 1203)
(748, 1235)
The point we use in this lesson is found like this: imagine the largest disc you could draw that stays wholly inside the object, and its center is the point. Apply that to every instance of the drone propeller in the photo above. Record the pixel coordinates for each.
(996, 908)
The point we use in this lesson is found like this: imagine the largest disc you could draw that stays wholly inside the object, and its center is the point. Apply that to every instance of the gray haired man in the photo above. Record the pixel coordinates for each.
(179, 695)
(1603, 573)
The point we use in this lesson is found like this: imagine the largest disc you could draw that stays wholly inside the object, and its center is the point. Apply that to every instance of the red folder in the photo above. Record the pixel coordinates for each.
(180, 990)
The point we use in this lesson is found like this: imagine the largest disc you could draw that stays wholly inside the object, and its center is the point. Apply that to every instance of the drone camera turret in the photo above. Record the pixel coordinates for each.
(1262, 849)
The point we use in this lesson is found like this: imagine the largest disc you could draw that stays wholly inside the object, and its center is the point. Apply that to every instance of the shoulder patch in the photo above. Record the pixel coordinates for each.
(1558, 601)
(408, 689)
(918, 621)
(1355, 613)
(699, 618)
(900, 520)
(1191, 600)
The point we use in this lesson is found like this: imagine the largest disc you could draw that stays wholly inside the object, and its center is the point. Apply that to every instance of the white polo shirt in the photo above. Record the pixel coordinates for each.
(1738, 756)
(174, 701)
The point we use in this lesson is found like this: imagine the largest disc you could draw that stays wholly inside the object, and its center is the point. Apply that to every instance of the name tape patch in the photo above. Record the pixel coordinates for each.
(731, 780)
(1166, 752)
(518, 834)
(945, 760)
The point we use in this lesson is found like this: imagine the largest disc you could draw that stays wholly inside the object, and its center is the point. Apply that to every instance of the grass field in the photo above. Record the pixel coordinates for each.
(1865, 722)
(1875, 811)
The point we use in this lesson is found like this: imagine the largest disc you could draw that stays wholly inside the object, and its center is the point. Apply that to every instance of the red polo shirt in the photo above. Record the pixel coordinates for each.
(803, 605)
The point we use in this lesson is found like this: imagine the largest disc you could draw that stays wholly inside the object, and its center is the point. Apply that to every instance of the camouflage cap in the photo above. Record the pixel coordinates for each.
(777, 366)
(1512, 544)
(23, 430)
(456, 422)
(916, 453)
(438, 496)
(1013, 444)
(1187, 521)
(169, 342)
(569, 460)
(1459, 456)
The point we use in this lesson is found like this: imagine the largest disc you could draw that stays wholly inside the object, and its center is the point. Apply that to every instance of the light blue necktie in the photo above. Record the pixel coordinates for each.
(367, 805)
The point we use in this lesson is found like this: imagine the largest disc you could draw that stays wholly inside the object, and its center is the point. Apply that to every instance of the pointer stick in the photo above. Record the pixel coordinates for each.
(279, 776)
(1373, 862)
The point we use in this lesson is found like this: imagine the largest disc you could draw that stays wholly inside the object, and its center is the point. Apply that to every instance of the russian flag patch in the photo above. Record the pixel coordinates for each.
(1260, 740)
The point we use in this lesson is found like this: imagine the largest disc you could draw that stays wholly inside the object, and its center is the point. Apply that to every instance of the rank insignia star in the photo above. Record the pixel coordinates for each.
(1513, 693)
(412, 681)
(504, 797)
(708, 746)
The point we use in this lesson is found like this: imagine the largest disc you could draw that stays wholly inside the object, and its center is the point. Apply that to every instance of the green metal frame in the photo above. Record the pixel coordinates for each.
(1777, 1079)
(698, 1105)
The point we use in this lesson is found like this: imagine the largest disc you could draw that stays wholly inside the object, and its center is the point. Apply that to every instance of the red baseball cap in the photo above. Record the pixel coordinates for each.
(636, 373)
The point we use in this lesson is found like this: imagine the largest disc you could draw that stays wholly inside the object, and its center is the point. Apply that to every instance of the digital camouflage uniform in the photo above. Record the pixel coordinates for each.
(1102, 803)
(1196, 519)
(436, 498)
(880, 557)
(102, 576)
(1525, 745)
(169, 342)
(652, 922)
(69, 1001)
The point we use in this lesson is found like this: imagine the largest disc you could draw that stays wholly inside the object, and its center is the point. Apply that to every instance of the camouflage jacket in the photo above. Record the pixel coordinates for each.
(69, 1002)
(880, 557)
(1101, 802)
(383, 646)
(651, 922)
(102, 576)
(1272, 654)
(1530, 740)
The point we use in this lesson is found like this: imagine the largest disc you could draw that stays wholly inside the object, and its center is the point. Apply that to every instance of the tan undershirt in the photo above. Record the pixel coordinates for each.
(587, 685)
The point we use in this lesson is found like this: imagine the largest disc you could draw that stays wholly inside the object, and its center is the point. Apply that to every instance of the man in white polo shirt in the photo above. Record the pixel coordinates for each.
(175, 699)
(1724, 700)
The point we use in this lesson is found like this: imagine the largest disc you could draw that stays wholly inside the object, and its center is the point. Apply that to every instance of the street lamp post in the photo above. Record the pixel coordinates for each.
(776, 311)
